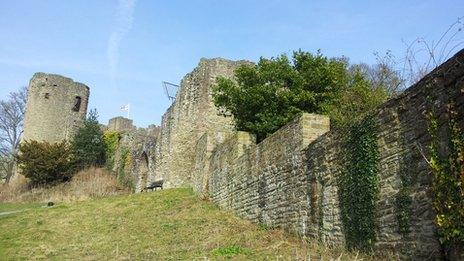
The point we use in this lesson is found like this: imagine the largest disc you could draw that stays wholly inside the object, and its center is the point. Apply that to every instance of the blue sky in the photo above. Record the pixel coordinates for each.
(123, 49)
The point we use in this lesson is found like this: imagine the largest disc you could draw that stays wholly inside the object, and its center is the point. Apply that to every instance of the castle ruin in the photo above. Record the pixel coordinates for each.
(290, 179)
(55, 108)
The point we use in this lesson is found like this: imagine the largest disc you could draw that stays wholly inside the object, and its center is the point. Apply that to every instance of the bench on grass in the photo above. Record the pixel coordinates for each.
(154, 185)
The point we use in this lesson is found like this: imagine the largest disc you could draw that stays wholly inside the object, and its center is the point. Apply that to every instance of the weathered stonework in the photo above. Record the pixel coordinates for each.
(287, 182)
(267, 182)
(191, 115)
(290, 179)
(55, 107)
(135, 155)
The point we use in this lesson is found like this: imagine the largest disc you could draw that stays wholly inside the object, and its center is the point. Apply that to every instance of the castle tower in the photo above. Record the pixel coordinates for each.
(55, 107)
(120, 124)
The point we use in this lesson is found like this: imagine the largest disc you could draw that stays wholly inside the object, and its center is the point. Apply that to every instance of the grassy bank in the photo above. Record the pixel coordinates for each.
(170, 224)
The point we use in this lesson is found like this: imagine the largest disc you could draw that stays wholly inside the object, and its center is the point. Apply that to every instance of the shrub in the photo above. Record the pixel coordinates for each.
(45, 163)
(88, 144)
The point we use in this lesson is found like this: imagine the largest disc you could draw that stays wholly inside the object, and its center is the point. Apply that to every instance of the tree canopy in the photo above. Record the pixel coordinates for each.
(264, 97)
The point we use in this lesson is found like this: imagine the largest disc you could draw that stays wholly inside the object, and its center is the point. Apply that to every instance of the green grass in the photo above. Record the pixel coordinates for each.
(164, 225)
(6, 207)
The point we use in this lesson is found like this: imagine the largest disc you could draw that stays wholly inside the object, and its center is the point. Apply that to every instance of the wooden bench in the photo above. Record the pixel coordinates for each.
(154, 185)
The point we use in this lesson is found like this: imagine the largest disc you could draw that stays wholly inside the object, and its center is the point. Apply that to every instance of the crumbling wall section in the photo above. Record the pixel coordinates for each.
(191, 115)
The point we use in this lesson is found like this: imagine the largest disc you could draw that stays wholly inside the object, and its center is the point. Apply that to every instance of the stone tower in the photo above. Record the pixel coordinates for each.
(55, 107)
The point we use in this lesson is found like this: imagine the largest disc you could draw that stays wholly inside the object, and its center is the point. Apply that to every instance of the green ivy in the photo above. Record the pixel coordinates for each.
(403, 200)
(403, 204)
(111, 139)
(359, 186)
(124, 163)
(448, 178)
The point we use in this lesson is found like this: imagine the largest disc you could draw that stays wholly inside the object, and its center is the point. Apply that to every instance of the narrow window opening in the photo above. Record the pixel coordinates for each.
(77, 103)
(47, 95)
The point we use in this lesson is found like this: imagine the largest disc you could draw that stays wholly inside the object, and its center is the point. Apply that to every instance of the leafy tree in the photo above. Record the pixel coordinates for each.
(88, 144)
(45, 163)
(268, 95)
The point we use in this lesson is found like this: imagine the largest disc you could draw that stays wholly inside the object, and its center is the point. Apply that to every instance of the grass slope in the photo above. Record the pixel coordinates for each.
(169, 224)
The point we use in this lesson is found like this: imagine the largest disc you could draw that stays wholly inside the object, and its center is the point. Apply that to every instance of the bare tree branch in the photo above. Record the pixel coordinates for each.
(11, 122)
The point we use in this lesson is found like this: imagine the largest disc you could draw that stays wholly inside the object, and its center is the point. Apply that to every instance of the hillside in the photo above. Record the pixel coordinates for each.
(169, 224)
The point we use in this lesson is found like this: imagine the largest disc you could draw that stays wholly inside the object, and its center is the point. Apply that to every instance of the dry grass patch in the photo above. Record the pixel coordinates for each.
(89, 183)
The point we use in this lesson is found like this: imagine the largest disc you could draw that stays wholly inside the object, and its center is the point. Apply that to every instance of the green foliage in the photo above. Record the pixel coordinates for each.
(111, 139)
(230, 251)
(359, 186)
(403, 200)
(125, 164)
(271, 93)
(448, 179)
(403, 203)
(88, 144)
(355, 101)
(45, 163)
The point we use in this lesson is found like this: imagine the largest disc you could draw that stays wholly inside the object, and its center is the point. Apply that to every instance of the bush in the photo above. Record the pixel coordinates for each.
(45, 163)
(88, 144)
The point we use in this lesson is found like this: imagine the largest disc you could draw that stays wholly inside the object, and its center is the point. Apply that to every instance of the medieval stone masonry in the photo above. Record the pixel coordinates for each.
(56, 106)
(292, 178)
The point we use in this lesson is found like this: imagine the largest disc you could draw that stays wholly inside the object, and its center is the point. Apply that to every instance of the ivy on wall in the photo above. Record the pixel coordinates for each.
(447, 163)
(111, 139)
(403, 199)
(359, 186)
(124, 167)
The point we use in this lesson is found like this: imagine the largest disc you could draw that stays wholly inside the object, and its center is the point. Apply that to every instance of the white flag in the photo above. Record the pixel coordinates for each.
(125, 107)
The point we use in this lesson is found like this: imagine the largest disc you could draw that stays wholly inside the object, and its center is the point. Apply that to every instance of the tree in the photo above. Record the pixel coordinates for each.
(362, 96)
(271, 93)
(46, 163)
(12, 113)
(88, 144)
(382, 75)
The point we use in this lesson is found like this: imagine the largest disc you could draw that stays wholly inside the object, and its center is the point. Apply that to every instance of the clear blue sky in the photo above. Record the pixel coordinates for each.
(123, 49)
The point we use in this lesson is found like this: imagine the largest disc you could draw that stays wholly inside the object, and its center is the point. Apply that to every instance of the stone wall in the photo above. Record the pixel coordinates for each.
(55, 107)
(289, 180)
(135, 156)
(191, 116)
(267, 182)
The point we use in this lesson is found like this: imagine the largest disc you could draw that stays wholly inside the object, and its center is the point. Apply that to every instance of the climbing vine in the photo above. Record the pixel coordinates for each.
(359, 186)
(111, 139)
(125, 164)
(448, 177)
(403, 199)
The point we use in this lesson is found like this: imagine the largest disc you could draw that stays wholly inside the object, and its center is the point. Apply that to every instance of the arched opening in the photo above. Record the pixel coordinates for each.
(77, 103)
(143, 170)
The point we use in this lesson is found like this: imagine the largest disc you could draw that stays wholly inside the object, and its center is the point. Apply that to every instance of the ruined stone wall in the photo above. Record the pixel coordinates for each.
(135, 156)
(55, 107)
(189, 117)
(291, 182)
